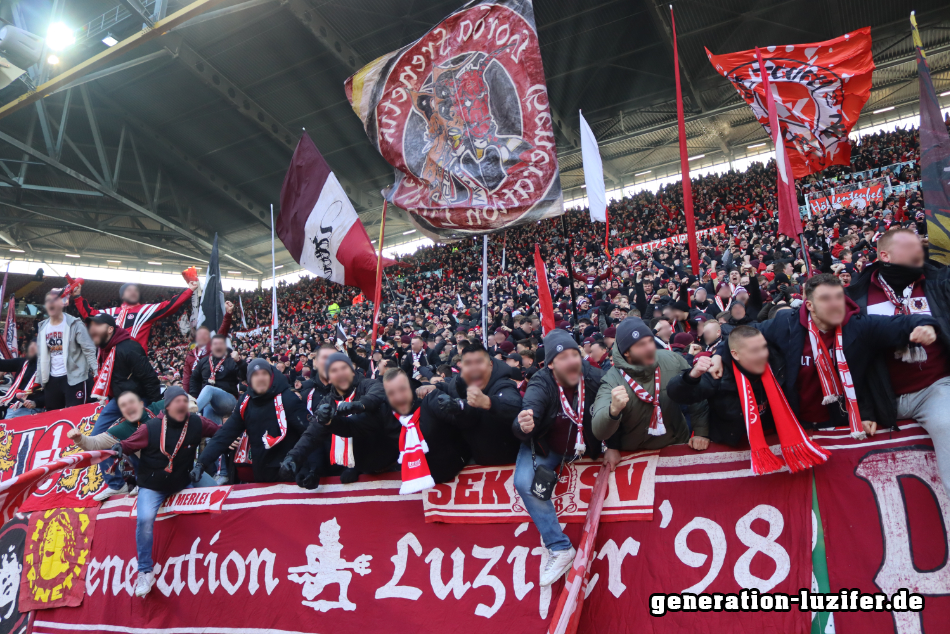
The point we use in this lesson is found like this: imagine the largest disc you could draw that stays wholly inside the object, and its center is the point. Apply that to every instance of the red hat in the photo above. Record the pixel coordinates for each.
(611, 332)
(506, 346)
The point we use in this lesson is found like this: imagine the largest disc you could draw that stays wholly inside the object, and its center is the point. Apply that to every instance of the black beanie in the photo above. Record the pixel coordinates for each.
(337, 356)
(556, 342)
(630, 331)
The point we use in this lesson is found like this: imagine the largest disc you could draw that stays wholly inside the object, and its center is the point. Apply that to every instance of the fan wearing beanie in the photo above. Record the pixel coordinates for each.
(360, 441)
(632, 398)
(555, 428)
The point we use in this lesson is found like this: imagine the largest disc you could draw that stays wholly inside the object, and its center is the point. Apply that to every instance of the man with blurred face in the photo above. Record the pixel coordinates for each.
(555, 426)
(318, 386)
(663, 333)
(746, 403)
(828, 346)
(66, 356)
(712, 333)
(361, 439)
(912, 383)
(600, 355)
(202, 345)
(632, 397)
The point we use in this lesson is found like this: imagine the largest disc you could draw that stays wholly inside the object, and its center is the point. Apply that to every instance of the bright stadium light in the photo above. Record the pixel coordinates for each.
(883, 110)
(643, 173)
(114, 261)
(17, 251)
(752, 147)
(697, 157)
(52, 60)
(279, 266)
(71, 255)
(156, 263)
(109, 40)
(59, 37)
(406, 233)
(944, 94)
(236, 272)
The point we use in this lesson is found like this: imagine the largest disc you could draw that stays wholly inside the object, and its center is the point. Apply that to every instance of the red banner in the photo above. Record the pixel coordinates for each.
(30, 442)
(858, 198)
(462, 114)
(886, 513)
(487, 495)
(55, 558)
(677, 239)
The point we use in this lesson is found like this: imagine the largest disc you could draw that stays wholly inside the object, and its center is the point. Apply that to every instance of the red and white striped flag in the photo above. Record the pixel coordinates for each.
(13, 493)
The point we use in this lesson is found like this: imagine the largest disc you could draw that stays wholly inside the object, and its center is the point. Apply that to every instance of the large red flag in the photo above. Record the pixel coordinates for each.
(545, 303)
(789, 217)
(320, 228)
(821, 88)
(684, 160)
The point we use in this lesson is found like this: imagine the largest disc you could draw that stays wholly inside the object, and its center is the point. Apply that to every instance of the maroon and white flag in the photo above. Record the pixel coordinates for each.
(320, 228)
(462, 114)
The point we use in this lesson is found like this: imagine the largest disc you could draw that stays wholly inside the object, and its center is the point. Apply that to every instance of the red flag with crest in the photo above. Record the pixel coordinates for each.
(820, 90)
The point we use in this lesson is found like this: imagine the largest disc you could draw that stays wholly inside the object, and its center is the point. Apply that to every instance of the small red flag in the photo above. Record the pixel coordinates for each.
(544, 293)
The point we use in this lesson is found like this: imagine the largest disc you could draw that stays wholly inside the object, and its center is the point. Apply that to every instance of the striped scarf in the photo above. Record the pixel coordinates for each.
(835, 377)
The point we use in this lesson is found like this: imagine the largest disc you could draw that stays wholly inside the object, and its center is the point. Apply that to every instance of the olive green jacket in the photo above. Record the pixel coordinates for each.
(634, 421)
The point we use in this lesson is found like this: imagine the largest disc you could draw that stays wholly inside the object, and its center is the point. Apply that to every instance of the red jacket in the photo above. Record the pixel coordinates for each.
(138, 318)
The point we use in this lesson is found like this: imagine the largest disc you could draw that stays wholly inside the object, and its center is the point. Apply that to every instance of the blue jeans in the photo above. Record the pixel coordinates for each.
(23, 411)
(542, 512)
(147, 508)
(108, 417)
(215, 404)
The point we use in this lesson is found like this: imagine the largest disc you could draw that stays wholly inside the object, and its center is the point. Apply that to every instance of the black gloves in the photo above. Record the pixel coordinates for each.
(308, 479)
(349, 409)
(288, 469)
(325, 413)
(117, 448)
(446, 406)
(197, 472)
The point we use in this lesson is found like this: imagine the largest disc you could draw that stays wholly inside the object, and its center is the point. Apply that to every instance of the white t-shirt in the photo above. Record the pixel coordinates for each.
(54, 344)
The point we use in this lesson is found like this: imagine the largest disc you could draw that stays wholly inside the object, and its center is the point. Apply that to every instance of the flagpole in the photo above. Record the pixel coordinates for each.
(485, 290)
(377, 295)
(273, 264)
(570, 267)
(684, 159)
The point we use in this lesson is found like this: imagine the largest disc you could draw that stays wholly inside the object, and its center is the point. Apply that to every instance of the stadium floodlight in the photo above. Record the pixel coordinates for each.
(406, 233)
(643, 173)
(697, 157)
(109, 40)
(883, 110)
(17, 251)
(279, 266)
(52, 60)
(114, 261)
(236, 272)
(155, 263)
(752, 147)
(71, 255)
(945, 94)
(59, 37)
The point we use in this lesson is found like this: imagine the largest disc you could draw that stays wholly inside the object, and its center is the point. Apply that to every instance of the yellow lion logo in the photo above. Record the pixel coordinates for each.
(6, 446)
(88, 480)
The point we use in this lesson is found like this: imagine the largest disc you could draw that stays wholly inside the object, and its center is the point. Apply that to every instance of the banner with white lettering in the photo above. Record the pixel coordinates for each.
(858, 198)
(682, 238)
(886, 518)
(487, 495)
(203, 500)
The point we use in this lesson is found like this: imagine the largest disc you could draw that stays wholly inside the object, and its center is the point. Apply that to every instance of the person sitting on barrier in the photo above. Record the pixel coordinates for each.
(167, 447)
(746, 403)
(483, 404)
(123, 367)
(555, 427)
(361, 442)
(271, 415)
(633, 399)
(134, 415)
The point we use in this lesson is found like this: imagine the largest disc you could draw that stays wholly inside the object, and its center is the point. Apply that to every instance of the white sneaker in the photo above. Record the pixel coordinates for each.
(107, 493)
(143, 585)
(559, 562)
(133, 492)
(221, 479)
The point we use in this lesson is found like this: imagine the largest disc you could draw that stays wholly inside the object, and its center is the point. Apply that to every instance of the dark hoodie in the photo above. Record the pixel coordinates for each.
(865, 337)
(256, 415)
(132, 370)
(487, 433)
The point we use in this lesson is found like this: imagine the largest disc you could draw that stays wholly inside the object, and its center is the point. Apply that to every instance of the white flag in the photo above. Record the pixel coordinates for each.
(593, 174)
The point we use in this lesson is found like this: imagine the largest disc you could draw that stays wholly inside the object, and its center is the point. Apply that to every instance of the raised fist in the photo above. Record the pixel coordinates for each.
(618, 400)
(526, 421)
(700, 366)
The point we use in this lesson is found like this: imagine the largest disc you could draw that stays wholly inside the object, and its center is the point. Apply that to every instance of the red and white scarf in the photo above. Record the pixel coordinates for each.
(719, 304)
(798, 451)
(341, 448)
(269, 441)
(213, 369)
(835, 377)
(15, 386)
(912, 353)
(657, 428)
(412, 455)
(575, 417)
(181, 440)
(102, 388)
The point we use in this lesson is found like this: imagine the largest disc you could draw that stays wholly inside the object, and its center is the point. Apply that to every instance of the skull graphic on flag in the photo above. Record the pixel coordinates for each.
(819, 91)
(462, 114)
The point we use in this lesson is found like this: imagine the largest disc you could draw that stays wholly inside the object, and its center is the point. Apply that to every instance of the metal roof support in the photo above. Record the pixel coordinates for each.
(325, 34)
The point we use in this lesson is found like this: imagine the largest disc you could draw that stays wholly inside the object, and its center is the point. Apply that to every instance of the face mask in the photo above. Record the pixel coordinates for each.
(900, 276)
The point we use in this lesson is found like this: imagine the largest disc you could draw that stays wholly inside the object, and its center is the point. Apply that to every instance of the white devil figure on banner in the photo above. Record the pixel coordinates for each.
(326, 567)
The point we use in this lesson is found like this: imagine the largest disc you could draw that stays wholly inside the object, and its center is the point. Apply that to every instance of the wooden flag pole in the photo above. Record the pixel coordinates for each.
(379, 275)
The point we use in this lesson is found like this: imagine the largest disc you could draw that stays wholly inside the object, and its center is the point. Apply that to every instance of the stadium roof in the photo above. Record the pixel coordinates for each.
(190, 133)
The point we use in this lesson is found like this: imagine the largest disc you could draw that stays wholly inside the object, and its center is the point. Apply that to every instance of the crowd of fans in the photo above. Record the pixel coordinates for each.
(769, 334)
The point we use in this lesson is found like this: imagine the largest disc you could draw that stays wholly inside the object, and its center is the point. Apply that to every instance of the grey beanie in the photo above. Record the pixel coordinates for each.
(630, 331)
(257, 364)
(337, 356)
(556, 342)
(173, 392)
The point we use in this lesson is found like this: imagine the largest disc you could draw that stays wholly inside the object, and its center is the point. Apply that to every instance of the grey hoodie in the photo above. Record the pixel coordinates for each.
(634, 421)
(79, 350)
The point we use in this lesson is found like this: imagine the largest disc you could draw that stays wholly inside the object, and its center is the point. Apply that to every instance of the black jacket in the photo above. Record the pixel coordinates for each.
(487, 433)
(375, 448)
(151, 473)
(448, 452)
(726, 418)
(259, 416)
(865, 338)
(227, 378)
(133, 372)
(13, 366)
(544, 400)
(937, 290)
